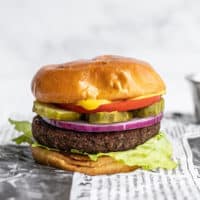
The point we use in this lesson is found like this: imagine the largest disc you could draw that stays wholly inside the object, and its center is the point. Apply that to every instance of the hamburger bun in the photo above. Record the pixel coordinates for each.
(104, 77)
(79, 163)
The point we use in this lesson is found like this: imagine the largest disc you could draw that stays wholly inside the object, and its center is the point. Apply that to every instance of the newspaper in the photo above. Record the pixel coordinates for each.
(181, 183)
(22, 178)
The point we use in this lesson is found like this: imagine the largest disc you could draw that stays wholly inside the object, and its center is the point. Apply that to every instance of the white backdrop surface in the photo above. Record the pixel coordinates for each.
(34, 33)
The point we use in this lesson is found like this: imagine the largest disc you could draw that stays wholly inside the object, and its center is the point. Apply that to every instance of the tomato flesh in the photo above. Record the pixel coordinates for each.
(123, 105)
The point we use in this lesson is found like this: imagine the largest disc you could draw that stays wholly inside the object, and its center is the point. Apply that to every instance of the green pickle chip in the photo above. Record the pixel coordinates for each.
(109, 117)
(51, 111)
(151, 110)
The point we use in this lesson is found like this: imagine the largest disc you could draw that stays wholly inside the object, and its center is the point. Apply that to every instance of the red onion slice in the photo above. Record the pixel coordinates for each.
(122, 126)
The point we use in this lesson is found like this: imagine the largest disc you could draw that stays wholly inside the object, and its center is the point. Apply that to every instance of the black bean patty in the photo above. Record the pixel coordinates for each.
(65, 140)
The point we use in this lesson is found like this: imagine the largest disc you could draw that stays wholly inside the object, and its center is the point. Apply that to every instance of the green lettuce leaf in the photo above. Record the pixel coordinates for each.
(153, 154)
(35, 144)
(25, 128)
(27, 137)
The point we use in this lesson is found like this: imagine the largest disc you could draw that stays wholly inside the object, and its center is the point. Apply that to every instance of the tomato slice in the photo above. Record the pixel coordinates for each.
(115, 105)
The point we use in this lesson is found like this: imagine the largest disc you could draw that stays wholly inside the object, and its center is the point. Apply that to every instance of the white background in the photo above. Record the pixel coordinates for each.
(33, 33)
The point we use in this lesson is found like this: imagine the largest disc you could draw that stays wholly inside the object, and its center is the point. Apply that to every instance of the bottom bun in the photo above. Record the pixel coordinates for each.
(79, 163)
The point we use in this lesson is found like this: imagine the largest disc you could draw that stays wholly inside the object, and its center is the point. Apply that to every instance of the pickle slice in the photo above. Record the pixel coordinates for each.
(109, 117)
(50, 111)
(151, 110)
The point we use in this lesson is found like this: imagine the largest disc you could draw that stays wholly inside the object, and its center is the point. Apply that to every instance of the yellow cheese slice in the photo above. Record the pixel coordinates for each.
(149, 95)
(92, 104)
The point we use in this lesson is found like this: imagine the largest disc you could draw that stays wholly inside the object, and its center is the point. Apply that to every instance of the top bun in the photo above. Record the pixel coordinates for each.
(104, 77)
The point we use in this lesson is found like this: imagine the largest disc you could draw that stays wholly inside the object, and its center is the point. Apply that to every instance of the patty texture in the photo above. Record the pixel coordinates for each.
(66, 140)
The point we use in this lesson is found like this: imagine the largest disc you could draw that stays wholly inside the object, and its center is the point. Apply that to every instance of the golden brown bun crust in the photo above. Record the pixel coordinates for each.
(79, 163)
(104, 77)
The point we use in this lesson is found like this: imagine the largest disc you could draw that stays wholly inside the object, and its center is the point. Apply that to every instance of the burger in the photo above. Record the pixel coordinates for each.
(99, 116)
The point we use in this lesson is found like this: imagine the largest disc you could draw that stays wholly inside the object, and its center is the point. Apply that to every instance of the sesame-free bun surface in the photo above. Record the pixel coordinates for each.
(79, 163)
(104, 77)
